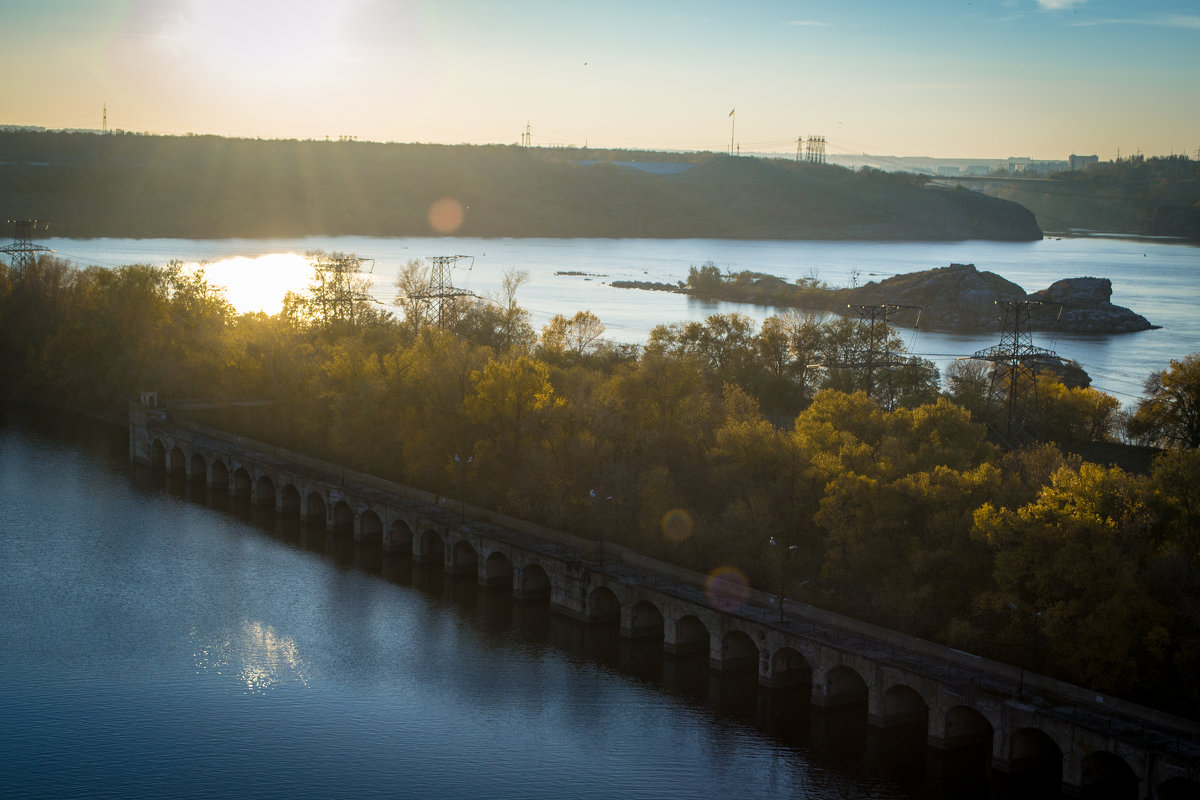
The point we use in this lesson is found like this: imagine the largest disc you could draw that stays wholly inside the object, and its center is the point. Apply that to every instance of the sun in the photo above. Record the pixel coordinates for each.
(264, 42)
(258, 284)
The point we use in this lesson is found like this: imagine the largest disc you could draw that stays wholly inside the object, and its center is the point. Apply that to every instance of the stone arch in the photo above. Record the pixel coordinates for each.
(289, 500)
(497, 570)
(645, 620)
(370, 529)
(903, 705)
(315, 508)
(342, 523)
(431, 549)
(241, 482)
(532, 583)
(602, 605)
(220, 475)
(463, 559)
(158, 454)
(264, 491)
(790, 668)
(399, 538)
(1035, 760)
(1106, 775)
(738, 651)
(691, 636)
(1178, 789)
(966, 726)
(178, 462)
(198, 467)
(844, 687)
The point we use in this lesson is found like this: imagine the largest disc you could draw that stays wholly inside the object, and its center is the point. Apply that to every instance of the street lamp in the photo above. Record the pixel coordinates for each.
(462, 465)
(606, 522)
(1025, 648)
(782, 551)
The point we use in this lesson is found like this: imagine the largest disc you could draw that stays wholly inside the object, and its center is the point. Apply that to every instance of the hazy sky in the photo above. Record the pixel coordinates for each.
(969, 78)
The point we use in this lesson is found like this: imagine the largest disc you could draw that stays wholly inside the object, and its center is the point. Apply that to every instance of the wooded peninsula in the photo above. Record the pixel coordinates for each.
(696, 449)
(128, 185)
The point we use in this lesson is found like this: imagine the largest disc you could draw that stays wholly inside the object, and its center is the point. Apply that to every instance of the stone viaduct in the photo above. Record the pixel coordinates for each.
(1091, 742)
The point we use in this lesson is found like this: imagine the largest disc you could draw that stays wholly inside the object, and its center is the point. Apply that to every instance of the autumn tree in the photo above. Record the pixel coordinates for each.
(572, 339)
(1069, 578)
(1170, 413)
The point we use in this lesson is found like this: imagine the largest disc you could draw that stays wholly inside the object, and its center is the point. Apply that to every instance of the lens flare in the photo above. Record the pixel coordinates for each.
(446, 215)
(677, 524)
(727, 589)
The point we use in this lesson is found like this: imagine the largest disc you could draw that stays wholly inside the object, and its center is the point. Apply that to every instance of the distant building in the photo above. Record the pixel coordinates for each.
(1081, 162)
(979, 170)
(947, 170)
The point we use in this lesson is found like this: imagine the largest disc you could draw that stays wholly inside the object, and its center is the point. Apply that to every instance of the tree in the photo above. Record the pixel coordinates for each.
(1074, 558)
(1076, 414)
(967, 385)
(1170, 414)
(575, 338)
(413, 284)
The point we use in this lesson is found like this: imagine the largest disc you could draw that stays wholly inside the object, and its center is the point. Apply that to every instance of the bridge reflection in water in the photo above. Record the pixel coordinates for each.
(922, 714)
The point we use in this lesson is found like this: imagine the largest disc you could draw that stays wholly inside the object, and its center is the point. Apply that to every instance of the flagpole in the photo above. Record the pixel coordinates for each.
(732, 123)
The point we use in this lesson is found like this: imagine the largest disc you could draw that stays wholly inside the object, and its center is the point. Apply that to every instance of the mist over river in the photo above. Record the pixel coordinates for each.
(1155, 278)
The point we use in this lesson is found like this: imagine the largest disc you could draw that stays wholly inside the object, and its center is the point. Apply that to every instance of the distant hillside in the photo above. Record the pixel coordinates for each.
(1146, 196)
(203, 186)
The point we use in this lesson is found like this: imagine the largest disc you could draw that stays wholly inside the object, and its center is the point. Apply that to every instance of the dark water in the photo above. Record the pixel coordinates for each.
(161, 641)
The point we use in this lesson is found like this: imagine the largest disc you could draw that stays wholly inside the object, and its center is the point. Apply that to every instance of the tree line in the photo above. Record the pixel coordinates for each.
(208, 186)
(697, 448)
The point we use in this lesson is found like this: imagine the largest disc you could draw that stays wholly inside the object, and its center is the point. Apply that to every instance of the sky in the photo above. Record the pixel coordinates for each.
(965, 79)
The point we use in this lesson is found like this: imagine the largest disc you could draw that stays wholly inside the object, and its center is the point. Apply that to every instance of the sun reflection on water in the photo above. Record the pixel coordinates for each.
(258, 284)
(256, 656)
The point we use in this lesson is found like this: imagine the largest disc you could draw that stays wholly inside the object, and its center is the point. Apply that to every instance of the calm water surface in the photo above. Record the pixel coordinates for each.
(1157, 279)
(160, 641)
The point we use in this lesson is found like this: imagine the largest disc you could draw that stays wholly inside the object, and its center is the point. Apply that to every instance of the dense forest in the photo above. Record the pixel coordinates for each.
(127, 185)
(1157, 196)
(698, 449)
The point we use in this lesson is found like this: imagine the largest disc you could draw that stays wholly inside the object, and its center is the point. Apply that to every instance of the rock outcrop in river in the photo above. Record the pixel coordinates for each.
(962, 298)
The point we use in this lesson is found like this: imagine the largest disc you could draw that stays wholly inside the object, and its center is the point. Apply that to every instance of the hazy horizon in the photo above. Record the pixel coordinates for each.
(985, 80)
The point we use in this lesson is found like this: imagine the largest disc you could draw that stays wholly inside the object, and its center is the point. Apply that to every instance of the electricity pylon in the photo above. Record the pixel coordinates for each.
(23, 253)
(441, 290)
(874, 355)
(1012, 402)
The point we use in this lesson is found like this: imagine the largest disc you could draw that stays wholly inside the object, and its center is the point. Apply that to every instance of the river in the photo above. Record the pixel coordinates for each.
(1158, 279)
(164, 641)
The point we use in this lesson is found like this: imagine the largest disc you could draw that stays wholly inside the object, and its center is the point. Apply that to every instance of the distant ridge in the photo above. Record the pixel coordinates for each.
(212, 187)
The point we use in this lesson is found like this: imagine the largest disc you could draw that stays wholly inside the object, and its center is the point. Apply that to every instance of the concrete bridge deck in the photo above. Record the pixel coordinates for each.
(1025, 721)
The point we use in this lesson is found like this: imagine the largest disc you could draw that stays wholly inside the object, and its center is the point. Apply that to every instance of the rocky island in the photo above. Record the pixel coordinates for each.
(962, 298)
(958, 297)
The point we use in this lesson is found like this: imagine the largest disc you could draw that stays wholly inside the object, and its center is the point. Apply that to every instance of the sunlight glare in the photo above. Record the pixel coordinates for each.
(258, 284)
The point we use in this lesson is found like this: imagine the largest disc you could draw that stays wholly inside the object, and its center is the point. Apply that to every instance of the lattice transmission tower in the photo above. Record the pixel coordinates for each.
(1012, 402)
(340, 290)
(872, 356)
(23, 253)
(815, 150)
(442, 293)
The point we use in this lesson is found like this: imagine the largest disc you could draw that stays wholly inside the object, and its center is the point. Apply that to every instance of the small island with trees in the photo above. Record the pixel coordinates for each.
(956, 298)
